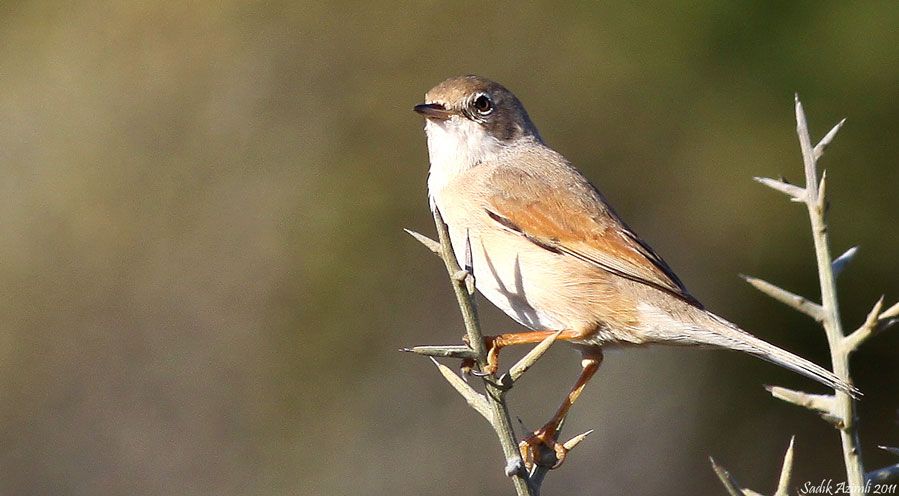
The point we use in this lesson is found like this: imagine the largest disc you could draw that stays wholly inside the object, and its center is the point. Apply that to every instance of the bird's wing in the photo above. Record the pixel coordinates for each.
(571, 219)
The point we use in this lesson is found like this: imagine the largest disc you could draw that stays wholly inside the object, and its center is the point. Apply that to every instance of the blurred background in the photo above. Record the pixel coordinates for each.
(205, 279)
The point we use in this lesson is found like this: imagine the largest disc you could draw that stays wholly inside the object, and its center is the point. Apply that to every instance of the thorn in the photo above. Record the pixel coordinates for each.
(791, 190)
(866, 330)
(821, 189)
(733, 488)
(576, 440)
(825, 141)
(445, 351)
(798, 303)
(475, 400)
(822, 404)
(532, 356)
(890, 449)
(428, 242)
(874, 314)
(783, 484)
(891, 312)
(843, 260)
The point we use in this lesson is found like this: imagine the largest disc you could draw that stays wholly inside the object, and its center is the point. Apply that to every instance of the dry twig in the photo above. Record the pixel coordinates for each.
(839, 408)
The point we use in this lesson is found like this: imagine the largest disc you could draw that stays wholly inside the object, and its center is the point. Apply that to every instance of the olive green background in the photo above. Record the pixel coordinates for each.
(205, 279)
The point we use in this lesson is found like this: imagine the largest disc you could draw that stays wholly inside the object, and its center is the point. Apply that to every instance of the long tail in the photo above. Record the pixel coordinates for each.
(708, 329)
(730, 336)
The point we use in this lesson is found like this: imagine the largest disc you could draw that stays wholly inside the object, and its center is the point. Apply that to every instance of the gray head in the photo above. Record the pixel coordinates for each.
(470, 120)
(481, 101)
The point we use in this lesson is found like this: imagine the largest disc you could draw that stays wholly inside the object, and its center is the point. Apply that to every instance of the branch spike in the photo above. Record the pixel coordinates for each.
(890, 449)
(447, 351)
(475, 400)
(794, 192)
(851, 342)
(874, 314)
(825, 141)
(576, 440)
(783, 484)
(891, 312)
(428, 242)
(798, 303)
(843, 260)
(822, 404)
(529, 359)
(732, 486)
(808, 154)
(822, 186)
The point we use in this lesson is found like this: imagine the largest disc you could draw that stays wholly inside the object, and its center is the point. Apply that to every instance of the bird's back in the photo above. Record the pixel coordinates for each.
(541, 264)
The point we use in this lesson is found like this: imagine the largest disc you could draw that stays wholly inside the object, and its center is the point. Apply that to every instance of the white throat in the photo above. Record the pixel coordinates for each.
(454, 146)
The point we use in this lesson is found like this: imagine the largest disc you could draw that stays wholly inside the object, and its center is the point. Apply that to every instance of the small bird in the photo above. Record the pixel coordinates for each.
(547, 249)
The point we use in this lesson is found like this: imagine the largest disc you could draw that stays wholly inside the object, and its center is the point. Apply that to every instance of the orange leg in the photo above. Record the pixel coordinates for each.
(546, 435)
(496, 343)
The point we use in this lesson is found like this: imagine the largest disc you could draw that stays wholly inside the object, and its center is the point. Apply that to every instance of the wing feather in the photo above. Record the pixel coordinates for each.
(574, 220)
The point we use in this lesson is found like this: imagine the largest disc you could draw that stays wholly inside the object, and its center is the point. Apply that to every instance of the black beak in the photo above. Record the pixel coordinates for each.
(434, 111)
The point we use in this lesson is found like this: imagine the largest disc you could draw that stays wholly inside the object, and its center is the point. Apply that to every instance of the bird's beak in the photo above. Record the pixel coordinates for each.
(434, 111)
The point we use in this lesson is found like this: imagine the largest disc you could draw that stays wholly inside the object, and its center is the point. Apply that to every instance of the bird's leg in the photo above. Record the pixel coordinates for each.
(496, 343)
(546, 435)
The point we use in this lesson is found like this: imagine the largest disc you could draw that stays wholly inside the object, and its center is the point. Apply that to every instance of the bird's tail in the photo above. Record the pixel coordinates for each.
(730, 336)
(711, 330)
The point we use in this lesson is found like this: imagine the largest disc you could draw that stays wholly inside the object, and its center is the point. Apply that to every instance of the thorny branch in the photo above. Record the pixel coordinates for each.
(838, 408)
(491, 405)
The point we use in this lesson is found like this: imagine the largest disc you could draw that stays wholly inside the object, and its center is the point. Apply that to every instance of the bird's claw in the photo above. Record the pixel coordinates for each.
(534, 450)
(467, 366)
(492, 358)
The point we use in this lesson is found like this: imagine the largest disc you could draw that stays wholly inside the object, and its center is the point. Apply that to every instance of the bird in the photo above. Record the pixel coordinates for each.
(546, 248)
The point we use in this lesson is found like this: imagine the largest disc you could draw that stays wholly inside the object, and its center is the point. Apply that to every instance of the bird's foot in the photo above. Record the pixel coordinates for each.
(542, 448)
(493, 347)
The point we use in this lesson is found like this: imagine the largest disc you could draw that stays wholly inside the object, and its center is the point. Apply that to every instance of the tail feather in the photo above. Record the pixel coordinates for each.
(728, 335)
(690, 325)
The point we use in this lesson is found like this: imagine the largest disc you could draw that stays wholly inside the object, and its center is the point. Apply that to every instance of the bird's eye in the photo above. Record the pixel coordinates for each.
(483, 104)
